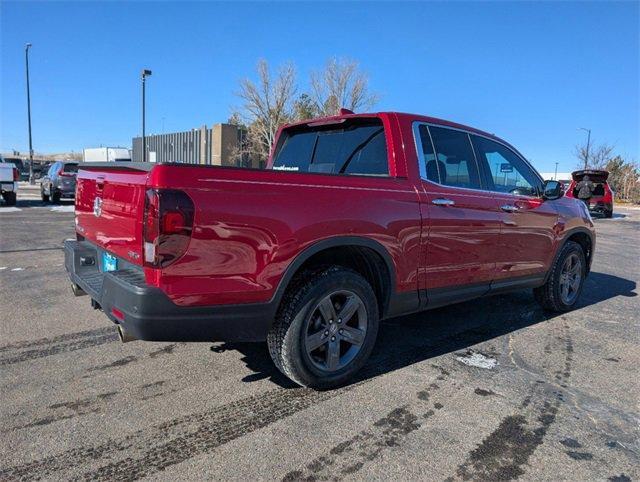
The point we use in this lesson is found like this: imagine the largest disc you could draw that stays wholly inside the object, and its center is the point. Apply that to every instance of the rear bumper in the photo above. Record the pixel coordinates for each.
(66, 191)
(8, 186)
(600, 207)
(147, 313)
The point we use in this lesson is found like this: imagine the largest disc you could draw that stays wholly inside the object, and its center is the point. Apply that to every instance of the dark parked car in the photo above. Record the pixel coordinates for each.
(59, 182)
(41, 170)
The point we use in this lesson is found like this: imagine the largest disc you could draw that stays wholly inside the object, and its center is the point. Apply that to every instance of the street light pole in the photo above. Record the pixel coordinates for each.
(145, 73)
(555, 175)
(586, 157)
(26, 55)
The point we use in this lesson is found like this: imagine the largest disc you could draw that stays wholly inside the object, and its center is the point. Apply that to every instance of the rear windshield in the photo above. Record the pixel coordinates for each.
(356, 146)
(70, 168)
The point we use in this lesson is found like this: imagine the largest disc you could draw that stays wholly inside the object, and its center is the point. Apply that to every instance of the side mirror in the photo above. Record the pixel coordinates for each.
(552, 190)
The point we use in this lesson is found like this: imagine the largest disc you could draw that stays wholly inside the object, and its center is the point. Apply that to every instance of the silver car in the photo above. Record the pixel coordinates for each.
(59, 182)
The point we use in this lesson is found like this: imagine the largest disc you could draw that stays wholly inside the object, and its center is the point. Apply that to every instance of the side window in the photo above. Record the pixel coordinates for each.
(355, 147)
(430, 167)
(507, 172)
(455, 161)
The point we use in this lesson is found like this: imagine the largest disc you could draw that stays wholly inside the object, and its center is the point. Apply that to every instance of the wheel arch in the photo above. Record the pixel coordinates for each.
(584, 238)
(364, 255)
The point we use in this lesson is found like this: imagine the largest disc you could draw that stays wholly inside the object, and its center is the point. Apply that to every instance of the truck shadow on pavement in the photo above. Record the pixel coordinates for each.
(415, 338)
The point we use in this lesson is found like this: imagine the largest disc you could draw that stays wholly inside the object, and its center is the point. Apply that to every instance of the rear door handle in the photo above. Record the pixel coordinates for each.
(509, 208)
(443, 202)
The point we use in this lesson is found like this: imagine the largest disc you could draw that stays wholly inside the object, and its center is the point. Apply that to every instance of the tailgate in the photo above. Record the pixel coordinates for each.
(110, 206)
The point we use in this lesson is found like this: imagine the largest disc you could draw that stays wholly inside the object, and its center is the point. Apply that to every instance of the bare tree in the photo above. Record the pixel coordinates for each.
(267, 104)
(341, 84)
(596, 157)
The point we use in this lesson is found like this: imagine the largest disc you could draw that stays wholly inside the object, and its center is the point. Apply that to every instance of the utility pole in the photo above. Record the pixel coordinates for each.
(586, 157)
(32, 181)
(145, 73)
(555, 174)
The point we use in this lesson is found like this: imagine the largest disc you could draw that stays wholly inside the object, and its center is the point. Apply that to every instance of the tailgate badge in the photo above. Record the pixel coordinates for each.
(97, 207)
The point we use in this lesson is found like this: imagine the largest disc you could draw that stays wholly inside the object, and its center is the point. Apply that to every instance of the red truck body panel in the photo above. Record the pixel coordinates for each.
(250, 226)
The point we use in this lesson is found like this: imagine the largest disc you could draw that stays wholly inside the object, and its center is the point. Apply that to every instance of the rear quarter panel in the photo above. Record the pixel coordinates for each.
(250, 225)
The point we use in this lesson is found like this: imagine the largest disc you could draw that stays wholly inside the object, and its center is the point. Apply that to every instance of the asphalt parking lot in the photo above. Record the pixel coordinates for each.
(492, 389)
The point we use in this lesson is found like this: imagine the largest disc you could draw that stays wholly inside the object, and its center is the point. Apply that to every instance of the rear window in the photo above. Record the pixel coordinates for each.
(70, 168)
(355, 146)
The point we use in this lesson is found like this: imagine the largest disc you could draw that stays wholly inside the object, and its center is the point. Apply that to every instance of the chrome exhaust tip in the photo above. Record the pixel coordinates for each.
(76, 290)
(125, 336)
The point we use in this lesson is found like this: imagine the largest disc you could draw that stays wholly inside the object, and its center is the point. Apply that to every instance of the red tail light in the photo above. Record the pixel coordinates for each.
(16, 174)
(168, 223)
(67, 174)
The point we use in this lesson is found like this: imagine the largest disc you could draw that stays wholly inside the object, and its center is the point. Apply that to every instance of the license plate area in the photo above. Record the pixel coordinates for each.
(109, 262)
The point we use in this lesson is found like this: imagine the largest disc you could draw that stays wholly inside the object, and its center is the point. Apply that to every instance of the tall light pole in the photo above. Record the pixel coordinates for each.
(555, 174)
(145, 73)
(26, 56)
(586, 157)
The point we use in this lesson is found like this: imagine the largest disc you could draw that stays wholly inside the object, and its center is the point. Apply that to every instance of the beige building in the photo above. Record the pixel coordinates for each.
(218, 145)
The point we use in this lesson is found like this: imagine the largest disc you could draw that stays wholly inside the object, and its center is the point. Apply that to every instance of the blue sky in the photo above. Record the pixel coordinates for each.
(530, 72)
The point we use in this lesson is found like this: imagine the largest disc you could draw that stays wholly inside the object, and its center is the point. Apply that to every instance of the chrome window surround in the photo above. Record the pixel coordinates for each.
(422, 165)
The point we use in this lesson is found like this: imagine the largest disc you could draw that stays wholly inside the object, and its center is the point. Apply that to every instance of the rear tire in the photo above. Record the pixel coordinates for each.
(10, 198)
(566, 279)
(55, 196)
(325, 328)
(608, 214)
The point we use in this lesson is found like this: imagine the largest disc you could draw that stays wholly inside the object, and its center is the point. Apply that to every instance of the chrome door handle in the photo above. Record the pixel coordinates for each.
(509, 208)
(443, 202)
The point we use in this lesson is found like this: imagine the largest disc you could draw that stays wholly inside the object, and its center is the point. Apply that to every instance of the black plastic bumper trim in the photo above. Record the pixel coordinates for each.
(149, 314)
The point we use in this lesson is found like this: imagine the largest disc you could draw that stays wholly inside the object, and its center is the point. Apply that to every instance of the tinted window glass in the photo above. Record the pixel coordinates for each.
(70, 168)
(356, 147)
(431, 167)
(295, 151)
(455, 160)
(508, 172)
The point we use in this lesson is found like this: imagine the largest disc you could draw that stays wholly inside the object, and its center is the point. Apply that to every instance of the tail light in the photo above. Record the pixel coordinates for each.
(168, 223)
(67, 174)
(16, 174)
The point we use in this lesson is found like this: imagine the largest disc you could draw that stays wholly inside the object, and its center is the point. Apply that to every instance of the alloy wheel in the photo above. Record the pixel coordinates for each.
(335, 331)
(570, 278)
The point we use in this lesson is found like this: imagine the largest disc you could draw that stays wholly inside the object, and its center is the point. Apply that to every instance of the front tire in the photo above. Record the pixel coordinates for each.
(45, 197)
(566, 279)
(325, 328)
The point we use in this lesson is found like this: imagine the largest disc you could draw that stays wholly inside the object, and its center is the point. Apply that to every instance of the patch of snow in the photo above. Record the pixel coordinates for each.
(2, 267)
(9, 209)
(63, 209)
(478, 360)
(17, 269)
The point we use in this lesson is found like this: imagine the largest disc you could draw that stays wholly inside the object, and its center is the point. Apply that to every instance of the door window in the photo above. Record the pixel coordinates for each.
(507, 172)
(454, 161)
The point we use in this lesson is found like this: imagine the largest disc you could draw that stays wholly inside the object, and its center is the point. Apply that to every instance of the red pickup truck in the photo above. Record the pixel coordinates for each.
(357, 218)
